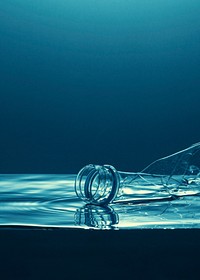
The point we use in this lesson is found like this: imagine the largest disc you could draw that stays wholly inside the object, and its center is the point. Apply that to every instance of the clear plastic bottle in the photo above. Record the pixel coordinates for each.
(166, 178)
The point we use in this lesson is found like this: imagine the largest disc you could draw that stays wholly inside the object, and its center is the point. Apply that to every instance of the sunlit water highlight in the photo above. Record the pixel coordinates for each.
(50, 201)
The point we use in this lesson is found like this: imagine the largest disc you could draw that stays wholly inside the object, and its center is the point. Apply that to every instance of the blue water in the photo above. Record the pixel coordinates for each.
(92, 81)
(48, 201)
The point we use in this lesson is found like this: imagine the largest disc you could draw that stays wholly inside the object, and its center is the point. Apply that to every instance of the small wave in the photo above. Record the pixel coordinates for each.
(49, 201)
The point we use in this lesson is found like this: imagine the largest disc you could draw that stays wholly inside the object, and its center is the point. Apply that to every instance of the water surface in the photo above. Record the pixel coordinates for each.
(50, 201)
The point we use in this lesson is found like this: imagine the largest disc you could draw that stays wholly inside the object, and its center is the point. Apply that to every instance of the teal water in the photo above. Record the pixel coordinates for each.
(48, 201)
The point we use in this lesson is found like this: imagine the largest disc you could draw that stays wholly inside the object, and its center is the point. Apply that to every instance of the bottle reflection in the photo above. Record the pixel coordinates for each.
(99, 217)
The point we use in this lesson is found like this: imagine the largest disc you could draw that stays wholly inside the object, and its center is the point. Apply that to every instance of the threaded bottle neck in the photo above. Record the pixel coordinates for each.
(97, 184)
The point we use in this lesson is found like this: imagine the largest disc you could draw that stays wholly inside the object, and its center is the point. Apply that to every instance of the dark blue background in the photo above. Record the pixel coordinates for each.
(90, 81)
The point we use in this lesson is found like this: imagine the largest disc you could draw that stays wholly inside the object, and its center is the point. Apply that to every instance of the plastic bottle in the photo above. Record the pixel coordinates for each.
(167, 178)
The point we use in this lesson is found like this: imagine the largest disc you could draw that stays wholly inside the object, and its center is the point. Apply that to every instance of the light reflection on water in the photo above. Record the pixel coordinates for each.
(50, 201)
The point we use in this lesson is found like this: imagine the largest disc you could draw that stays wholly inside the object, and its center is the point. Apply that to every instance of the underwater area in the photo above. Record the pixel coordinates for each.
(88, 88)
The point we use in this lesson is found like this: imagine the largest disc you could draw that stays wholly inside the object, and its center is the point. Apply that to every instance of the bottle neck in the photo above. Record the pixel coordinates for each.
(97, 184)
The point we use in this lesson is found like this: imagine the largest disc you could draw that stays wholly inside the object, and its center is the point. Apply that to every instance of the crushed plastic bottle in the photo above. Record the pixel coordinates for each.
(166, 178)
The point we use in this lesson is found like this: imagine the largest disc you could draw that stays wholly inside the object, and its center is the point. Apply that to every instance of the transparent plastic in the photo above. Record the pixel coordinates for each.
(165, 179)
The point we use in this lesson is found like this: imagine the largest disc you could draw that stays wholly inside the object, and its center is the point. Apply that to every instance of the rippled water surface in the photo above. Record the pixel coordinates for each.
(50, 201)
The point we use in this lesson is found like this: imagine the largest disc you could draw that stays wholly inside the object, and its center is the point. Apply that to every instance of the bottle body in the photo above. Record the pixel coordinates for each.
(142, 187)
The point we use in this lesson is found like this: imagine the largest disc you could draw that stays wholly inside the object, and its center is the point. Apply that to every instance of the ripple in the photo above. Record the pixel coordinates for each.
(50, 201)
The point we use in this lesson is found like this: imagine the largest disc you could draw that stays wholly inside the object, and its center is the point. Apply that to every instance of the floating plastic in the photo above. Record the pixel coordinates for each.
(167, 178)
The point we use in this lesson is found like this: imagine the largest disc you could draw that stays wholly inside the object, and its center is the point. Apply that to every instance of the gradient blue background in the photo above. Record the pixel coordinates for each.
(90, 81)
